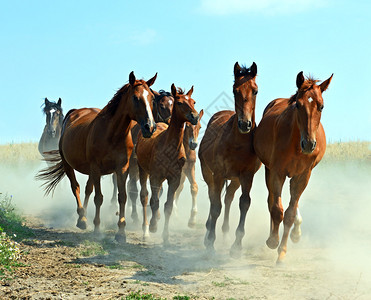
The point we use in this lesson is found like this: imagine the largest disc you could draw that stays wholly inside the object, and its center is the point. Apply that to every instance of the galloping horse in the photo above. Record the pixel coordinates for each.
(190, 144)
(98, 142)
(162, 157)
(227, 153)
(52, 131)
(290, 141)
(162, 108)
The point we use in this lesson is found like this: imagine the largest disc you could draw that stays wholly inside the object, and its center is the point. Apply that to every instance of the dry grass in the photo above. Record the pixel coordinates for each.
(341, 151)
(23, 152)
(351, 151)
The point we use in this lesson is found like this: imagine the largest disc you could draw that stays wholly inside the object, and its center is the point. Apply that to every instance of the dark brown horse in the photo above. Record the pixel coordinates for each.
(98, 142)
(190, 144)
(227, 153)
(162, 157)
(290, 141)
(162, 108)
(52, 131)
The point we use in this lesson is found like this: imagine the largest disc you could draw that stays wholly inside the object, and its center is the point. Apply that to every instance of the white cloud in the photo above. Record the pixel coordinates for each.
(268, 7)
(144, 37)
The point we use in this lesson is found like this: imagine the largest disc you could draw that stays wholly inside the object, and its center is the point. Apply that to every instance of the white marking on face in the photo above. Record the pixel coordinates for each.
(52, 111)
(186, 97)
(310, 99)
(148, 107)
(171, 102)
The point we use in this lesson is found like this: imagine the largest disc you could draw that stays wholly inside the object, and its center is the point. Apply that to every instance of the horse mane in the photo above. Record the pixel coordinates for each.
(162, 94)
(113, 104)
(180, 91)
(307, 85)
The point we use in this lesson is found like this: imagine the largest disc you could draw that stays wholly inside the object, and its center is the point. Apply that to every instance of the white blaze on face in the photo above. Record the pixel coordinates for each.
(310, 99)
(186, 97)
(148, 107)
(171, 102)
(52, 111)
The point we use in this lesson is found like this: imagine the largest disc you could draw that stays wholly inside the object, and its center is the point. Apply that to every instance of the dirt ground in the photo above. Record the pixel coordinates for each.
(332, 260)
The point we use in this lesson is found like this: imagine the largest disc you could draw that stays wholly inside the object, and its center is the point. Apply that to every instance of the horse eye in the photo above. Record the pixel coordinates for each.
(321, 108)
(255, 92)
(297, 105)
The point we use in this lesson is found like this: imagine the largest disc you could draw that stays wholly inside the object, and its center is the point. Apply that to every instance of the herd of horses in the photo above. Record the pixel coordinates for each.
(147, 135)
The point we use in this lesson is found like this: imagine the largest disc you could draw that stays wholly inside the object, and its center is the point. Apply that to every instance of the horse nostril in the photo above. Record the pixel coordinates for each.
(147, 127)
(248, 124)
(302, 144)
(314, 145)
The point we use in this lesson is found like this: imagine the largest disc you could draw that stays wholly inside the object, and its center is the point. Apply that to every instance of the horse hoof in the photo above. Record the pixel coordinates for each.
(153, 228)
(120, 238)
(295, 238)
(192, 224)
(235, 252)
(272, 243)
(81, 223)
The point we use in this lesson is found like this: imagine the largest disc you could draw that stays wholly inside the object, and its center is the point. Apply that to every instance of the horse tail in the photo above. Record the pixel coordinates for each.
(52, 175)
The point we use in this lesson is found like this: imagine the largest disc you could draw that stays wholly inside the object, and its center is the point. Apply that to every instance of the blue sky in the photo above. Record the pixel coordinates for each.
(83, 51)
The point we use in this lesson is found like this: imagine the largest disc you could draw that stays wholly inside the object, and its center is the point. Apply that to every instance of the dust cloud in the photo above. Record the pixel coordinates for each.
(331, 260)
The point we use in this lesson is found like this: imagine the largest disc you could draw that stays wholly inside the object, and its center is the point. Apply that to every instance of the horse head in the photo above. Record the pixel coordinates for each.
(191, 132)
(140, 106)
(54, 116)
(183, 109)
(162, 106)
(308, 104)
(245, 90)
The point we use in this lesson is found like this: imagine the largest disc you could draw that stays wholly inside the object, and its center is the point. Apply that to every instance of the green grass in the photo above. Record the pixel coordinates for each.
(90, 248)
(139, 296)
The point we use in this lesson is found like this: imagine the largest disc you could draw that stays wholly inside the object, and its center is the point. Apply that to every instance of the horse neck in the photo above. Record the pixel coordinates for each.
(290, 116)
(186, 141)
(118, 125)
(175, 130)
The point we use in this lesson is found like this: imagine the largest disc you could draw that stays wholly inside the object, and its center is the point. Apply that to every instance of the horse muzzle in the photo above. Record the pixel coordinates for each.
(192, 145)
(192, 118)
(307, 145)
(244, 126)
(147, 129)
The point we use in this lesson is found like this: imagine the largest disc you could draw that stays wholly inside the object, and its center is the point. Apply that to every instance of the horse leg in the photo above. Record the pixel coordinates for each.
(121, 185)
(173, 183)
(154, 202)
(81, 221)
(245, 201)
(231, 189)
(274, 184)
(143, 176)
(88, 190)
(114, 193)
(296, 231)
(178, 192)
(215, 188)
(297, 186)
(194, 190)
(98, 200)
(133, 194)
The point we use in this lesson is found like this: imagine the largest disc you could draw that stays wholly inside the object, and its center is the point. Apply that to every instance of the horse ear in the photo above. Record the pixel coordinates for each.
(173, 90)
(254, 69)
(300, 79)
(152, 80)
(237, 69)
(200, 114)
(132, 78)
(155, 93)
(324, 85)
(46, 101)
(190, 92)
(59, 102)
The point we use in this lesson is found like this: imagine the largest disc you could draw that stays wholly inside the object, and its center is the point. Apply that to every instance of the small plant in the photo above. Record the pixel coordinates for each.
(181, 298)
(138, 296)
(9, 253)
(92, 248)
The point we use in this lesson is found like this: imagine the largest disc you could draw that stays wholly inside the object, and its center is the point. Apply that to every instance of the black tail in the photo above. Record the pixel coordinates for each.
(52, 175)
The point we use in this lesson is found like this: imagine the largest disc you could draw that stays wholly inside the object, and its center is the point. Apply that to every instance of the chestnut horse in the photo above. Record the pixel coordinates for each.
(162, 157)
(290, 141)
(190, 144)
(227, 153)
(98, 142)
(162, 108)
(52, 131)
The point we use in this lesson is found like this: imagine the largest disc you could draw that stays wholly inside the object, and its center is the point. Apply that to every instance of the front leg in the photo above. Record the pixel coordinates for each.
(173, 183)
(156, 183)
(122, 175)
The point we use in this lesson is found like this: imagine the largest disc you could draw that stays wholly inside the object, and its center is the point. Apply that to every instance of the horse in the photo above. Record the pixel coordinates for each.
(52, 130)
(226, 153)
(190, 144)
(290, 141)
(98, 142)
(162, 108)
(162, 157)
